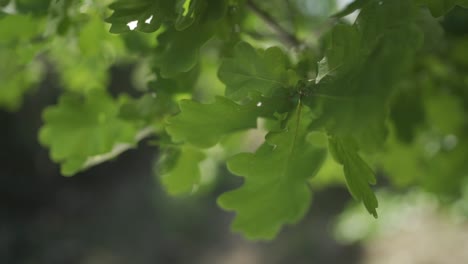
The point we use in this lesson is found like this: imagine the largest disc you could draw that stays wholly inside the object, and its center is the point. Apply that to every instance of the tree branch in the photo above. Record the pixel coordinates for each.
(286, 37)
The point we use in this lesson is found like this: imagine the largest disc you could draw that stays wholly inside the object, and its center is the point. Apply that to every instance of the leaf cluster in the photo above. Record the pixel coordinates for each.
(277, 94)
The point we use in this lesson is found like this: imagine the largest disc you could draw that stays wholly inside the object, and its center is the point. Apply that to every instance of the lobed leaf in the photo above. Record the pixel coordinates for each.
(203, 125)
(358, 174)
(275, 190)
(178, 51)
(183, 175)
(252, 71)
(355, 96)
(79, 128)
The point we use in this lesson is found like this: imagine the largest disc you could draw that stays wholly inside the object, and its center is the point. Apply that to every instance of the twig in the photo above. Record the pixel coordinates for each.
(117, 149)
(286, 37)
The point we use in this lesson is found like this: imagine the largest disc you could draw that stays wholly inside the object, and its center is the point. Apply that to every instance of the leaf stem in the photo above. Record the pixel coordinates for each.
(298, 121)
(286, 37)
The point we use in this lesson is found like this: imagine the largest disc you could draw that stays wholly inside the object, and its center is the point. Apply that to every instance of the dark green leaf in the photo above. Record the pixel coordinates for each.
(142, 15)
(4, 2)
(439, 8)
(178, 51)
(38, 7)
(356, 95)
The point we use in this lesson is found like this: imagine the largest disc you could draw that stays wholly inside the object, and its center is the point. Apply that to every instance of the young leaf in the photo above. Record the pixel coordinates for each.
(358, 174)
(253, 71)
(203, 125)
(79, 128)
(275, 190)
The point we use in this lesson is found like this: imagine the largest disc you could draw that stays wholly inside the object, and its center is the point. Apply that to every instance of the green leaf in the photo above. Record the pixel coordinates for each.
(37, 7)
(58, 19)
(79, 128)
(253, 71)
(179, 46)
(275, 191)
(149, 108)
(178, 51)
(190, 10)
(88, 57)
(180, 171)
(149, 15)
(19, 70)
(439, 8)
(356, 96)
(203, 125)
(358, 174)
(145, 15)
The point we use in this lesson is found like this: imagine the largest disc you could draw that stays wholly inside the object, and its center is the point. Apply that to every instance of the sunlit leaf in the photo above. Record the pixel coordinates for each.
(204, 124)
(275, 190)
(78, 128)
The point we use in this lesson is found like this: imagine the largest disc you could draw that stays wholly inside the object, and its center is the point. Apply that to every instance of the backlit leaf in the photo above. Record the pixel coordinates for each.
(204, 124)
(275, 190)
(78, 128)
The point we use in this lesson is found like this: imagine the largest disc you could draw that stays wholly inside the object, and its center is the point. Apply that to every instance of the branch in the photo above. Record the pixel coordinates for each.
(117, 149)
(286, 37)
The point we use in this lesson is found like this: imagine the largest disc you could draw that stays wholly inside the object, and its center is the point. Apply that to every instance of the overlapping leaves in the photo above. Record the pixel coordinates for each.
(365, 68)
(359, 71)
(147, 15)
(178, 47)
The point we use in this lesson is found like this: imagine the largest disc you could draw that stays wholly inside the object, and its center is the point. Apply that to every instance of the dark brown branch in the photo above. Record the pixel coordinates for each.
(286, 37)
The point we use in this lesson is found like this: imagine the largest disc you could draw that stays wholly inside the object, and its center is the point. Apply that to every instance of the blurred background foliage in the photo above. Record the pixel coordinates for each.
(118, 212)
